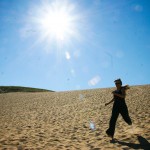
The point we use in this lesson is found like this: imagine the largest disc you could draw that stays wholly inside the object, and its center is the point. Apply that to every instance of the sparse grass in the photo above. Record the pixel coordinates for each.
(8, 89)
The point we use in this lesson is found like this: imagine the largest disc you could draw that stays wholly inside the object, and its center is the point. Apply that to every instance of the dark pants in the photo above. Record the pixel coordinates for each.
(123, 110)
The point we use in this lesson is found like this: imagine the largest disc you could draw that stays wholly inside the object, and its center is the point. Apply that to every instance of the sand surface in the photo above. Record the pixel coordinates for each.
(61, 120)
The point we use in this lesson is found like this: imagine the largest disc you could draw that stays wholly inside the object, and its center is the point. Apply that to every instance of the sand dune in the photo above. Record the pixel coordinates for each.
(61, 120)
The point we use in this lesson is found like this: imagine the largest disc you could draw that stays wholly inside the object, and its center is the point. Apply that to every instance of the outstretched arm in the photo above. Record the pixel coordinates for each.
(109, 102)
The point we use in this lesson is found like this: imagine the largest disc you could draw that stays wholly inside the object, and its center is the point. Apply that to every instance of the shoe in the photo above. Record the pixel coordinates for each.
(113, 140)
(130, 123)
(107, 132)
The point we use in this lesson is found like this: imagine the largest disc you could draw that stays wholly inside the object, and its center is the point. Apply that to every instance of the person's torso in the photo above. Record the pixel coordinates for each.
(119, 100)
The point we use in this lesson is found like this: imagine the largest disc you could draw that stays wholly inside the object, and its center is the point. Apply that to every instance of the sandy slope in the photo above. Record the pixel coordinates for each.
(61, 120)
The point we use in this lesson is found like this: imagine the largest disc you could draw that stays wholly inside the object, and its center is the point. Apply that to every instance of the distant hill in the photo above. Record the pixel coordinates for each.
(8, 89)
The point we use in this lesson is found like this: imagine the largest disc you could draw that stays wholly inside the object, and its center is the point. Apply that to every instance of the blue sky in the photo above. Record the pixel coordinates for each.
(75, 44)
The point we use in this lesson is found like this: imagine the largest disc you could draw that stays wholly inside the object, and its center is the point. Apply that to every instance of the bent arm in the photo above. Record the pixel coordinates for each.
(109, 102)
(123, 95)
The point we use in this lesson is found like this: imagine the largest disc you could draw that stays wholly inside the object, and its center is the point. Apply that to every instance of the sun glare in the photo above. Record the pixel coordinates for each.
(55, 20)
(56, 23)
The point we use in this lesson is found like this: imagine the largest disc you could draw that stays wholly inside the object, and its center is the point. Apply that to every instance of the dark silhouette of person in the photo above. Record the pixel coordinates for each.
(119, 107)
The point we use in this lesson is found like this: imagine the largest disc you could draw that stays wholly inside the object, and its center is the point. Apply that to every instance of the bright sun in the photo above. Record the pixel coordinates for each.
(56, 23)
(55, 20)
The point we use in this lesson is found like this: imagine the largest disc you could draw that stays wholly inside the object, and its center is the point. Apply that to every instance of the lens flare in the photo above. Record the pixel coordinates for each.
(81, 96)
(92, 125)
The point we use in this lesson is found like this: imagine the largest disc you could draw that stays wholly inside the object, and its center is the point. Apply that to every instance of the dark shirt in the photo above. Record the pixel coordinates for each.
(119, 100)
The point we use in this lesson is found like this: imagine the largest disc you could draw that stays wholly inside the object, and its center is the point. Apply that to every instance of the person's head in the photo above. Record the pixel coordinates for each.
(118, 83)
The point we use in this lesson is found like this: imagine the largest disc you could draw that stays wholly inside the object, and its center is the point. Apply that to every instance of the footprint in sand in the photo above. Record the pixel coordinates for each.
(134, 130)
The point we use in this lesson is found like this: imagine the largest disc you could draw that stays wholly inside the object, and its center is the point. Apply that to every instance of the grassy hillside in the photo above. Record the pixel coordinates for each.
(8, 89)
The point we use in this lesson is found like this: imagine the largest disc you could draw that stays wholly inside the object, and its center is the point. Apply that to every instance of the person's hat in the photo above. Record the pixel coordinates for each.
(118, 81)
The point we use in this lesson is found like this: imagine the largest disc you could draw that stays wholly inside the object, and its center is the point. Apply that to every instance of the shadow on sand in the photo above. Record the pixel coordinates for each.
(143, 143)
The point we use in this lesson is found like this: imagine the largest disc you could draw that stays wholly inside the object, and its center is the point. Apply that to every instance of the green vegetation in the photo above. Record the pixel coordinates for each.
(8, 89)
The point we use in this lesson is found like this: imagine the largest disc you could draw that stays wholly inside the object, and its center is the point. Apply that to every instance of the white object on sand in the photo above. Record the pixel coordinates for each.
(81, 96)
(92, 125)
